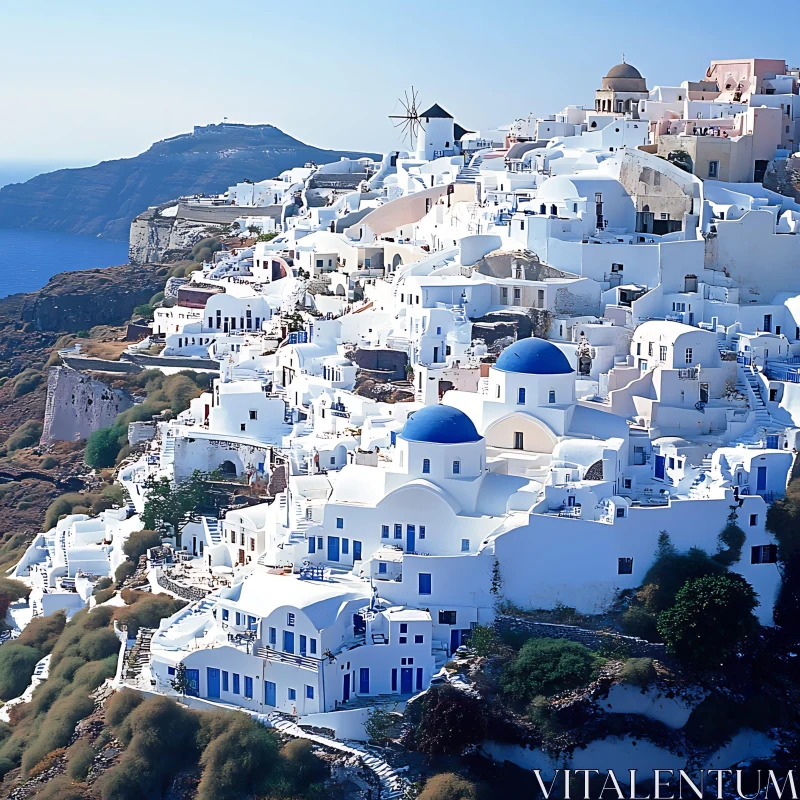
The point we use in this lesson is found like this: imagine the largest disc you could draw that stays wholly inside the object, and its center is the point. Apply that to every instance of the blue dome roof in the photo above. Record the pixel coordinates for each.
(439, 425)
(533, 357)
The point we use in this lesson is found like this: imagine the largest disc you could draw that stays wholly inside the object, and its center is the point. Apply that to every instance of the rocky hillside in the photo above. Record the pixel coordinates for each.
(103, 200)
(75, 301)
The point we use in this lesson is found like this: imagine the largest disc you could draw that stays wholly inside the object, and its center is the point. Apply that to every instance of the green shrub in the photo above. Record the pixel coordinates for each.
(731, 540)
(146, 612)
(124, 571)
(787, 604)
(48, 462)
(546, 667)
(783, 519)
(26, 382)
(711, 618)
(57, 727)
(638, 621)
(300, 767)
(639, 672)
(103, 583)
(104, 596)
(157, 298)
(16, 668)
(670, 571)
(139, 542)
(145, 310)
(99, 644)
(102, 447)
(43, 632)
(92, 674)
(238, 763)
(26, 435)
(483, 640)
(60, 788)
(58, 508)
(80, 757)
(448, 786)
(120, 705)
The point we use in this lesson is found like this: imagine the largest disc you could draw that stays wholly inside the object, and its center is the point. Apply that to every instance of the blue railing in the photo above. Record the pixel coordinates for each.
(780, 372)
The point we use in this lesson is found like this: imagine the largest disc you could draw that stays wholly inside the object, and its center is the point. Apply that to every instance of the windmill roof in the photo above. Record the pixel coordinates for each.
(436, 111)
(459, 131)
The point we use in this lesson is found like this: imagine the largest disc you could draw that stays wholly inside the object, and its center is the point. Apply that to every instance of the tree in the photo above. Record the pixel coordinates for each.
(174, 505)
(139, 542)
(180, 683)
(446, 720)
(548, 666)
(710, 620)
(483, 640)
(379, 724)
(783, 519)
(731, 540)
(102, 448)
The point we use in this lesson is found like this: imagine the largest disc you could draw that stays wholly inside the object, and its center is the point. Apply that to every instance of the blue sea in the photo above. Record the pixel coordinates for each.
(28, 259)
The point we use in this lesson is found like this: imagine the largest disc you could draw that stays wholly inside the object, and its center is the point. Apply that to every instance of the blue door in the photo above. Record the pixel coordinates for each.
(660, 467)
(288, 642)
(772, 442)
(363, 680)
(455, 640)
(212, 681)
(411, 535)
(406, 680)
(193, 682)
(346, 688)
(356, 550)
(270, 694)
(761, 479)
(333, 548)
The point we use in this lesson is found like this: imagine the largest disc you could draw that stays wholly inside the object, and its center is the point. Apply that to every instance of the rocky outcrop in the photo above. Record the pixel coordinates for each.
(155, 238)
(78, 405)
(104, 199)
(75, 301)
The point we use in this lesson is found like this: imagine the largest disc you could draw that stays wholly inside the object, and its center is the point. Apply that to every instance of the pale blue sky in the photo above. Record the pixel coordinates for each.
(87, 80)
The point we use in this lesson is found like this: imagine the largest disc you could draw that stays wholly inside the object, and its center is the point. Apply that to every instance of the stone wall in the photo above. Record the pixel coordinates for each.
(77, 405)
(386, 364)
(594, 640)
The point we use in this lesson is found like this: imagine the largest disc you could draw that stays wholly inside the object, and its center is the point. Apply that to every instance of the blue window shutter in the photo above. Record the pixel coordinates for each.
(424, 583)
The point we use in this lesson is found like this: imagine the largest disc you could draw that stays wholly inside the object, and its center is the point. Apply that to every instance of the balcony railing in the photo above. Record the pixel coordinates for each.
(304, 662)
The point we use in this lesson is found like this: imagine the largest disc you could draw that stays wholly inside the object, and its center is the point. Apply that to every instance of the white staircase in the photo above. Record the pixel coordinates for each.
(168, 452)
(763, 418)
(392, 784)
(213, 530)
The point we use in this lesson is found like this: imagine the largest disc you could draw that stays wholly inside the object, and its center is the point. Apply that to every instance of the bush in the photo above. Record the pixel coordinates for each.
(80, 757)
(483, 640)
(300, 766)
(48, 462)
(638, 621)
(26, 435)
(120, 705)
(787, 604)
(240, 762)
(147, 612)
(670, 571)
(162, 740)
(102, 447)
(57, 727)
(448, 786)
(548, 666)
(711, 618)
(43, 632)
(60, 788)
(139, 542)
(783, 519)
(26, 382)
(16, 668)
(99, 644)
(446, 721)
(639, 672)
(124, 571)
(103, 583)
(145, 310)
(104, 596)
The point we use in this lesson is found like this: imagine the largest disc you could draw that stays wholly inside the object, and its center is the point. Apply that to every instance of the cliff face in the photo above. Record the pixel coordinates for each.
(75, 301)
(104, 199)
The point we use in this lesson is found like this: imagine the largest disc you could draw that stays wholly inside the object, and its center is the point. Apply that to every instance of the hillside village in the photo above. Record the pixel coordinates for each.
(499, 372)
